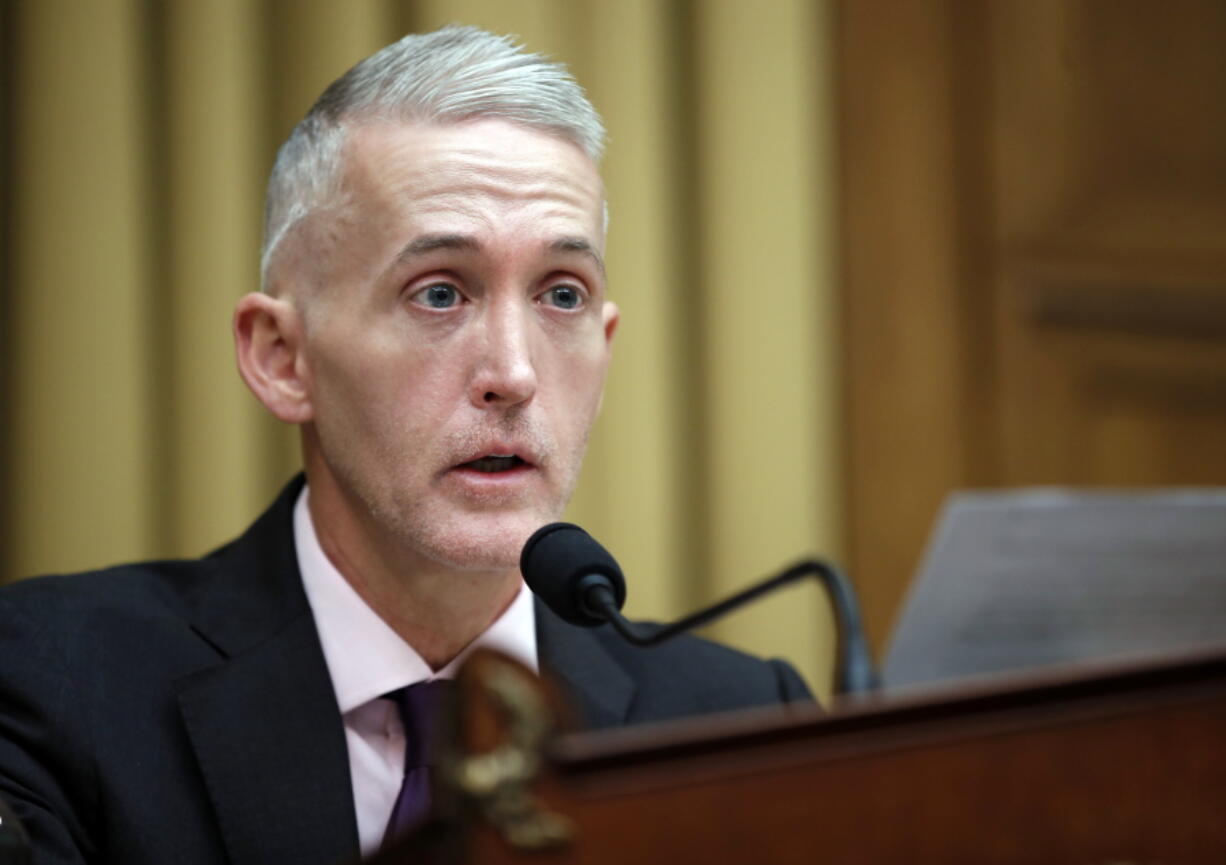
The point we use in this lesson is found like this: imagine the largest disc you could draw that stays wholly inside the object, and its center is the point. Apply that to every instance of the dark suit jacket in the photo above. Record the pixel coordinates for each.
(181, 713)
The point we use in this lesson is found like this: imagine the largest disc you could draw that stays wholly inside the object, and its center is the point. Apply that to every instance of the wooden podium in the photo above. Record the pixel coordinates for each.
(1107, 766)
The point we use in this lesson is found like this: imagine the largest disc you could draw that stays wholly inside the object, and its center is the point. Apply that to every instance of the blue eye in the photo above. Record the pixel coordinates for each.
(565, 296)
(440, 295)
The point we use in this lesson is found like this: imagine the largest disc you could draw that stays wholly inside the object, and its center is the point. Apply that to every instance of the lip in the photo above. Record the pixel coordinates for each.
(510, 476)
(499, 449)
(493, 489)
(500, 488)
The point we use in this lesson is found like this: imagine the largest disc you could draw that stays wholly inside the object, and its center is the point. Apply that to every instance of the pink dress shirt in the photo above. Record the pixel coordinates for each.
(367, 659)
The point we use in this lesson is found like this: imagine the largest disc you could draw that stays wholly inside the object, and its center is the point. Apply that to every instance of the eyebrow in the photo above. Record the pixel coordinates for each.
(432, 242)
(428, 243)
(580, 245)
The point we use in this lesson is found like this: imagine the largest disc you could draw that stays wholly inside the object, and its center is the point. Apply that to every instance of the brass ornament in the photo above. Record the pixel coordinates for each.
(498, 781)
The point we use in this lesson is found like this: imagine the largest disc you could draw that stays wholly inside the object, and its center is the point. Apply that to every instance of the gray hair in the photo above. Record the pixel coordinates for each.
(450, 75)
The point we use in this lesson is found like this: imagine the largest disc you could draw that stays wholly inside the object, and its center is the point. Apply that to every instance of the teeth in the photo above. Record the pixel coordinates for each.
(495, 463)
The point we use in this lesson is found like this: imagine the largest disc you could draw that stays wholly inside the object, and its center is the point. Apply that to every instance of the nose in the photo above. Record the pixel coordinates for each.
(505, 374)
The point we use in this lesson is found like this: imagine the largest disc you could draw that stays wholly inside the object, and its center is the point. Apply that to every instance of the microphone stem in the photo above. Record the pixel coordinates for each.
(854, 665)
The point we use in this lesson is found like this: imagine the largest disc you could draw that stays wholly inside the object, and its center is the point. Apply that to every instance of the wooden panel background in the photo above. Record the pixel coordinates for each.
(1035, 256)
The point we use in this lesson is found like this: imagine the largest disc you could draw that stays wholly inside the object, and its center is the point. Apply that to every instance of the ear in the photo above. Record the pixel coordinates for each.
(610, 315)
(268, 340)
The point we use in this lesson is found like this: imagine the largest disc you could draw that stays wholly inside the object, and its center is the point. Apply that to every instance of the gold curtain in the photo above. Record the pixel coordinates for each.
(136, 138)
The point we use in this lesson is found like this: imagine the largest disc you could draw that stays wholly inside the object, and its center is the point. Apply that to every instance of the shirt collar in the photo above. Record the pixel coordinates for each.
(366, 658)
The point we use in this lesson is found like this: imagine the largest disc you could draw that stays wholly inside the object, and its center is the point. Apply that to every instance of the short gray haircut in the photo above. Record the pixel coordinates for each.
(448, 76)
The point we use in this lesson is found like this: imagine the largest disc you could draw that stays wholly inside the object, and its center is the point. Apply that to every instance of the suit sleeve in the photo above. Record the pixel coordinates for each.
(43, 771)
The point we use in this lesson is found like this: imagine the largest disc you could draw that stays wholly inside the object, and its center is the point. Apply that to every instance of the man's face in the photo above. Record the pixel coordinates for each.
(457, 344)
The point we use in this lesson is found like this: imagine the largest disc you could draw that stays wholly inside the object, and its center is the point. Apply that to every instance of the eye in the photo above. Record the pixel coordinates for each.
(437, 295)
(564, 296)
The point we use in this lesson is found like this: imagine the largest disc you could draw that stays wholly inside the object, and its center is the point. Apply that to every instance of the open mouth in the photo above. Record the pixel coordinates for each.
(493, 464)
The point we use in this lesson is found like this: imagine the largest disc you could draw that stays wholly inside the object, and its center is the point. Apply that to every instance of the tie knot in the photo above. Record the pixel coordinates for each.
(420, 706)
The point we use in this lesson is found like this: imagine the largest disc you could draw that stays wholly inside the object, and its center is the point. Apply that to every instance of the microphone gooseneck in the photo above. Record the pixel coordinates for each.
(579, 580)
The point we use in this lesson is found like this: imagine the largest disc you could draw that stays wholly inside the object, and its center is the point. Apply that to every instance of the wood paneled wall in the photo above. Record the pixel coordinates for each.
(1035, 256)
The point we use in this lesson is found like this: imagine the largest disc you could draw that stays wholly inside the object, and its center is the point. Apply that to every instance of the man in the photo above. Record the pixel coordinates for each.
(434, 318)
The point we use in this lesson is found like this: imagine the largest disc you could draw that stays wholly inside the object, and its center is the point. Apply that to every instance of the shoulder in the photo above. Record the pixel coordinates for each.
(70, 619)
(611, 682)
(126, 589)
(689, 675)
(256, 569)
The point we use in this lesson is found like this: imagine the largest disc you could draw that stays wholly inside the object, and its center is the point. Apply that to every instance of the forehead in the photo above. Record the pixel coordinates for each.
(472, 176)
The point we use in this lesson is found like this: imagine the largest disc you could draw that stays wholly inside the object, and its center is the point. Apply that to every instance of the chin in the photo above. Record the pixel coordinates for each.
(477, 542)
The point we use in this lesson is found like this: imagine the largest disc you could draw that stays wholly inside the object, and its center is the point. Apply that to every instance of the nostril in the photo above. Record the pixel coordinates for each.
(490, 396)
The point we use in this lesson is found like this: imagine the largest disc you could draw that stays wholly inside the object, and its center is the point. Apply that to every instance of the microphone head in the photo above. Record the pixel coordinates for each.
(556, 563)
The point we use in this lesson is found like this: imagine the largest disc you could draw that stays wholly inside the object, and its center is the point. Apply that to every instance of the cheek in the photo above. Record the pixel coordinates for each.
(363, 389)
(580, 377)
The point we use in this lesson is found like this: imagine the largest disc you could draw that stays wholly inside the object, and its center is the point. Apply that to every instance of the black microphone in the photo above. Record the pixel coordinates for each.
(573, 574)
(576, 577)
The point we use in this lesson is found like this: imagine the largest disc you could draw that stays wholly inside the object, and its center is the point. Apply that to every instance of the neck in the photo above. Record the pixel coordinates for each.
(435, 609)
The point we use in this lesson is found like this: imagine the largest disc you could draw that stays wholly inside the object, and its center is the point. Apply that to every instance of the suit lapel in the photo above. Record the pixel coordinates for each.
(596, 684)
(268, 738)
(264, 723)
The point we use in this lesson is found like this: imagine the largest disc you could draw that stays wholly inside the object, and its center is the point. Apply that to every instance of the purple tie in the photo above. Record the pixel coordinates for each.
(419, 711)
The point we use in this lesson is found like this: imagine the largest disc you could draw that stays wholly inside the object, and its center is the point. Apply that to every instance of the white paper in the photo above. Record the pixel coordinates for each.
(1020, 580)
